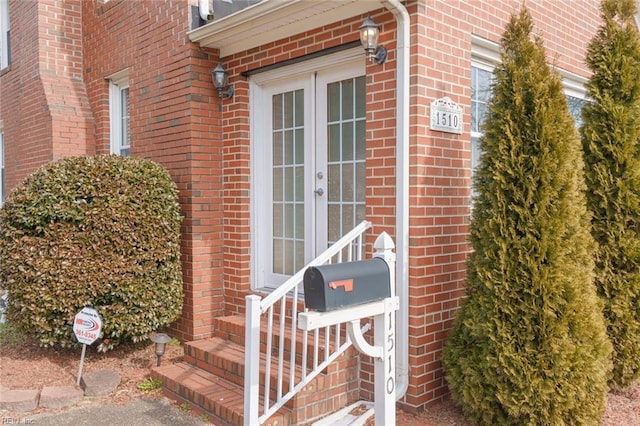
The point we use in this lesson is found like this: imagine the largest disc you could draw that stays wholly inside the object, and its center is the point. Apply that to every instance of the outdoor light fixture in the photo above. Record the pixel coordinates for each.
(369, 32)
(221, 82)
(161, 340)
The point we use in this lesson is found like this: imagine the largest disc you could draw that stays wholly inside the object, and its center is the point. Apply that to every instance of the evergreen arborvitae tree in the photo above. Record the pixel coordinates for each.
(611, 142)
(529, 344)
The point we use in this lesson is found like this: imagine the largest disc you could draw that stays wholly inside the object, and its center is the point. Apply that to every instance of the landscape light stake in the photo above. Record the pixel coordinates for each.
(161, 340)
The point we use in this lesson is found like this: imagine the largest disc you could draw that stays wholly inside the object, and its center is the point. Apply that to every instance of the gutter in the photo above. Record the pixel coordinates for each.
(402, 193)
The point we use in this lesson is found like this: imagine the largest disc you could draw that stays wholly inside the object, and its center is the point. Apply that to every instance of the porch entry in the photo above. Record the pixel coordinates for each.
(309, 157)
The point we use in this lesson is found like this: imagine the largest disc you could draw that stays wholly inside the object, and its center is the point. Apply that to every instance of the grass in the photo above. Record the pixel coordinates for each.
(149, 384)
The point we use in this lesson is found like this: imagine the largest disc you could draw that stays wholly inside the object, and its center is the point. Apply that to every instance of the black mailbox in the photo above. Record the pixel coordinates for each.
(334, 286)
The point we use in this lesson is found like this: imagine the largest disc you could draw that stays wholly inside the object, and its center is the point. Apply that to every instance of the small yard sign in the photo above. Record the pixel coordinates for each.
(87, 326)
(446, 116)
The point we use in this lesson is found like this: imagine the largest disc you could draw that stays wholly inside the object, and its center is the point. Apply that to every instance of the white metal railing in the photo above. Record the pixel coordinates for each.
(265, 349)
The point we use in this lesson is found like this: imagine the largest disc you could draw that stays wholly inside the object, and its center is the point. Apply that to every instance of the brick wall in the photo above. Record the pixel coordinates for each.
(236, 157)
(45, 109)
(27, 134)
(440, 162)
(60, 58)
(381, 154)
(380, 150)
(178, 120)
(440, 176)
(174, 120)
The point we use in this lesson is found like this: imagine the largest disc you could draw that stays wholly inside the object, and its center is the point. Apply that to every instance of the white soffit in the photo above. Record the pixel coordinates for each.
(272, 20)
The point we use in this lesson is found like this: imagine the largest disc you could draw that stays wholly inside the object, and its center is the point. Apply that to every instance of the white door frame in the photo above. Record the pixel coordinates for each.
(261, 88)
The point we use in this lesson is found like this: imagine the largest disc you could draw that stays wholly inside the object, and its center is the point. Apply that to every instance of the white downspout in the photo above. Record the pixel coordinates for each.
(402, 193)
(205, 9)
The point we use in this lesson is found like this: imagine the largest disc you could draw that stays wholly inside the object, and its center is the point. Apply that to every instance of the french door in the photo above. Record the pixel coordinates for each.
(309, 165)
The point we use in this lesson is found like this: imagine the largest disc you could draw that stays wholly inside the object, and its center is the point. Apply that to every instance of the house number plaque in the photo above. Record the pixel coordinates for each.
(446, 116)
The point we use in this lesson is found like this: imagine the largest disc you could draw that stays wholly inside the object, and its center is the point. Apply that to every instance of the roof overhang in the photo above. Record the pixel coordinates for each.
(272, 20)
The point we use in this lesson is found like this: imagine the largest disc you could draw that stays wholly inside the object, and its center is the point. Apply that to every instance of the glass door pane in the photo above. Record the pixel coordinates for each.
(288, 182)
(346, 114)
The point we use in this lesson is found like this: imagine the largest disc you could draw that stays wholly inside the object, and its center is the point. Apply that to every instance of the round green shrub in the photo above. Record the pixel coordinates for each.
(100, 231)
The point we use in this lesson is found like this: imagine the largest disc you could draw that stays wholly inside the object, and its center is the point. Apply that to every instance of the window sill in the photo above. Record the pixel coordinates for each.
(5, 70)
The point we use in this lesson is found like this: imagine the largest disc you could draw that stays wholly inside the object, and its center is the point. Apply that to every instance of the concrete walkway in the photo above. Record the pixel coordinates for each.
(142, 412)
(97, 383)
(80, 410)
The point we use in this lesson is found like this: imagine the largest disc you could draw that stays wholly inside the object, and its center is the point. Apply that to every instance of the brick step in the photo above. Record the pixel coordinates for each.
(211, 375)
(225, 359)
(210, 393)
(232, 328)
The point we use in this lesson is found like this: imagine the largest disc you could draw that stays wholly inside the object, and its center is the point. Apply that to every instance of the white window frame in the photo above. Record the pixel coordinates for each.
(486, 54)
(574, 86)
(118, 83)
(475, 135)
(4, 34)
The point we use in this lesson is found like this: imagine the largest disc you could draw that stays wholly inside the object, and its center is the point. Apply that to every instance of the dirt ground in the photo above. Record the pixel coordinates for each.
(27, 366)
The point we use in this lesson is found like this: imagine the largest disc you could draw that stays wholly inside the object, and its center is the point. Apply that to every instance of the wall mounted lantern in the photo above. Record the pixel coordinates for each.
(369, 32)
(161, 340)
(221, 82)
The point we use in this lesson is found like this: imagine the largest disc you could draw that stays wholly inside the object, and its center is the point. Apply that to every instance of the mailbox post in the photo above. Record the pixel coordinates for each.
(360, 305)
(385, 334)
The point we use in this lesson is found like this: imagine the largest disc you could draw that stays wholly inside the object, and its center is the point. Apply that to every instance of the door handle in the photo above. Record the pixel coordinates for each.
(319, 191)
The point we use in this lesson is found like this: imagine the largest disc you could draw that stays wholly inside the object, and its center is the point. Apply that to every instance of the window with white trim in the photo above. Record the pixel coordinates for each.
(485, 55)
(119, 113)
(481, 81)
(5, 57)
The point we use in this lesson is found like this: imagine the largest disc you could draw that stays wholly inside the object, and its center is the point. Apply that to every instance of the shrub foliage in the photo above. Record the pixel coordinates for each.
(529, 345)
(99, 231)
(611, 143)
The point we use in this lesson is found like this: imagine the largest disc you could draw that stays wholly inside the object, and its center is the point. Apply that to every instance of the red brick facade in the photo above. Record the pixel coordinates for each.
(55, 103)
(45, 109)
